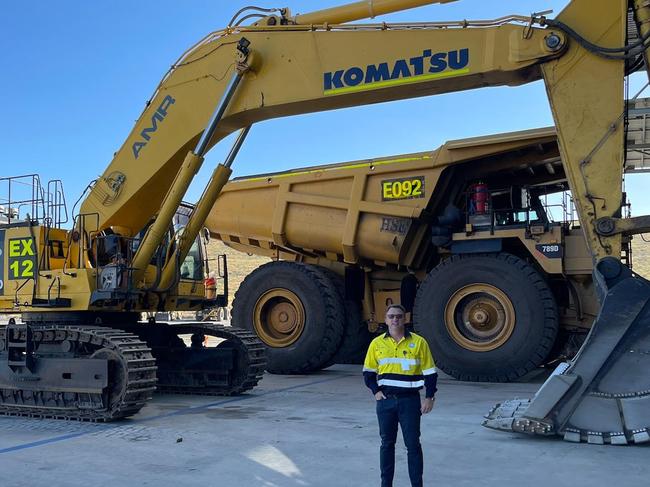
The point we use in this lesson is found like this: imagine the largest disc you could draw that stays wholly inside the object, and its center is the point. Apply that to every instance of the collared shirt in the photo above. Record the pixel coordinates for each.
(400, 367)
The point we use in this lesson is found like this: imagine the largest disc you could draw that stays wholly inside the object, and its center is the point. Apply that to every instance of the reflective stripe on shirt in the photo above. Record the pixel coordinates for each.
(401, 383)
(430, 371)
(406, 363)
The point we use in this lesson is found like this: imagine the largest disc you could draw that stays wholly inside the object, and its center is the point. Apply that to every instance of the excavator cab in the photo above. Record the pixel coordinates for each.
(197, 269)
(113, 254)
(194, 266)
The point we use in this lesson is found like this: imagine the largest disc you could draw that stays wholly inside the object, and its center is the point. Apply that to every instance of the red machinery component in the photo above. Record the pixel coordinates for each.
(479, 197)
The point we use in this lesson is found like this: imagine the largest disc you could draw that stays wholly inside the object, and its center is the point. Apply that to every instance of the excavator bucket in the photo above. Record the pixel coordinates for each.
(602, 396)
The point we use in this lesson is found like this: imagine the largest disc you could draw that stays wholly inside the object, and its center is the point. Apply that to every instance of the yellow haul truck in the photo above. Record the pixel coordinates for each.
(463, 236)
(79, 351)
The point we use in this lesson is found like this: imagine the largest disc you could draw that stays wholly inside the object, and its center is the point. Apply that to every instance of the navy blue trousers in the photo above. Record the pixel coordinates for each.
(405, 412)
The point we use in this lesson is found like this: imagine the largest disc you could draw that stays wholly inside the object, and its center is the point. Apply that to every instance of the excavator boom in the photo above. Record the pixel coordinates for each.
(297, 69)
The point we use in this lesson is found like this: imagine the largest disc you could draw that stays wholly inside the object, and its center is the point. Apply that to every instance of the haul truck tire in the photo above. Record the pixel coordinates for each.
(356, 336)
(487, 317)
(296, 310)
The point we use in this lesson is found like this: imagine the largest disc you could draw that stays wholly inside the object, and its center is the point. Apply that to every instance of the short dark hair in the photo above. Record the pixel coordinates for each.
(398, 306)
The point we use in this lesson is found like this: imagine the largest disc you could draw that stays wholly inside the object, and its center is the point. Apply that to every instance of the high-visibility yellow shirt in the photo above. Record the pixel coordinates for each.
(400, 367)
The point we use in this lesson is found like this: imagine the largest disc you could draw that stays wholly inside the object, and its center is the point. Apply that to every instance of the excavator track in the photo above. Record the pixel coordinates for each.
(130, 383)
(234, 366)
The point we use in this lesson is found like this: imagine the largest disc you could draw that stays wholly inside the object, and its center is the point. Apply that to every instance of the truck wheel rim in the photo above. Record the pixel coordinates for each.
(279, 317)
(480, 317)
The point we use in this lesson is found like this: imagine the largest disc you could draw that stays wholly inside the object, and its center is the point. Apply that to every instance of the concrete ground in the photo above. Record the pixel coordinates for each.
(316, 430)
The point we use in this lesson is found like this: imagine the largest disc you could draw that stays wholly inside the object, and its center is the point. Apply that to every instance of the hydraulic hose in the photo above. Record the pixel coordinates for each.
(618, 53)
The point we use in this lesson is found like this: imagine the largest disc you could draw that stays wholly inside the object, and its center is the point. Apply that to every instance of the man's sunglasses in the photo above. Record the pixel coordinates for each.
(390, 317)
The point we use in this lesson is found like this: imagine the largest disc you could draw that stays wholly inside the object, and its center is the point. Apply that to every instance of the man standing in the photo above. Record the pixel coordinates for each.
(398, 364)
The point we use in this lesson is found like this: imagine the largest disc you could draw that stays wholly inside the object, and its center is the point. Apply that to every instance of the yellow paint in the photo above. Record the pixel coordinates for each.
(337, 168)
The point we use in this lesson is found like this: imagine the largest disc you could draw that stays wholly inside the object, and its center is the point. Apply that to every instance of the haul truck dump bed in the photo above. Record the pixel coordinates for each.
(460, 235)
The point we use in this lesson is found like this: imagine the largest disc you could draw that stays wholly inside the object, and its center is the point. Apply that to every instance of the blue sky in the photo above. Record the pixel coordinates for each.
(77, 74)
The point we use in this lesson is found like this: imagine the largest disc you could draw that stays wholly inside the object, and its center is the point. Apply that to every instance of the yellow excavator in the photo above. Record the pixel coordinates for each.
(79, 351)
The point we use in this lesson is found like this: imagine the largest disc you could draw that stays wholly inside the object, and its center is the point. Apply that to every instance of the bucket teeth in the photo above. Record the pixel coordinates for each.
(641, 436)
(532, 426)
(572, 436)
(504, 415)
(509, 416)
(508, 409)
(620, 438)
(503, 424)
(595, 438)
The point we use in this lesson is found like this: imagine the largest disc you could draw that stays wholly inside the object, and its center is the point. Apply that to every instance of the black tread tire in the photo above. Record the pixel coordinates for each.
(324, 317)
(536, 324)
(356, 336)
